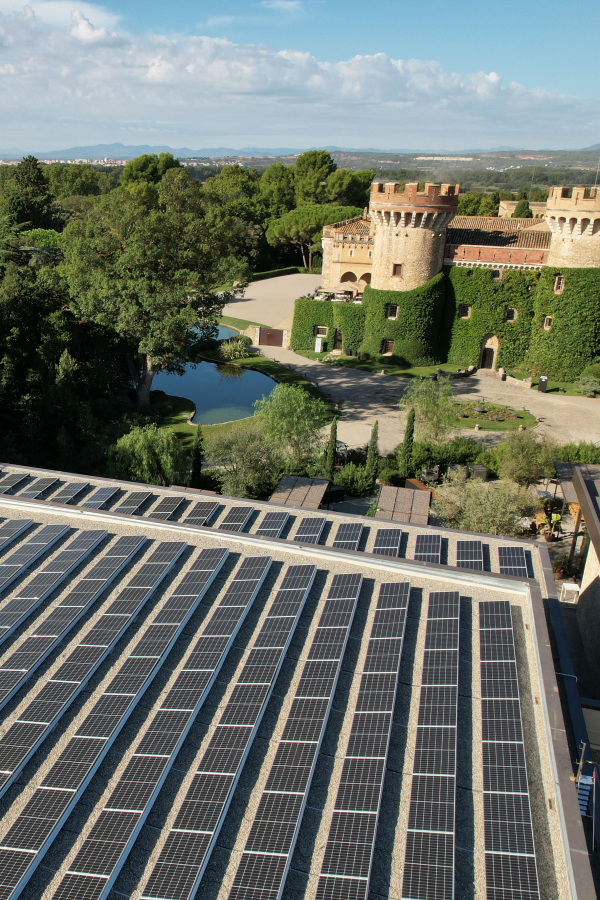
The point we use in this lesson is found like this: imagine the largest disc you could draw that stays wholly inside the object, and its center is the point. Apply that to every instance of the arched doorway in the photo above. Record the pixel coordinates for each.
(489, 352)
(366, 278)
(348, 276)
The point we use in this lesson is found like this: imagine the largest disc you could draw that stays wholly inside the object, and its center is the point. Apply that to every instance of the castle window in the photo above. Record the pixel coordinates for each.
(510, 314)
(469, 271)
(559, 284)
(548, 323)
(464, 311)
(397, 270)
(351, 253)
(391, 311)
(387, 347)
(320, 331)
(370, 254)
(496, 275)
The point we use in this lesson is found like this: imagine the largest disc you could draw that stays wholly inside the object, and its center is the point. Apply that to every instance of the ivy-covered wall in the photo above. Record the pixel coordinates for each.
(573, 340)
(417, 329)
(349, 318)
(461, 339)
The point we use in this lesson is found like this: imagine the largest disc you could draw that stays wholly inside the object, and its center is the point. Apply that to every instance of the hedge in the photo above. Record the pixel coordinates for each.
(349, 318)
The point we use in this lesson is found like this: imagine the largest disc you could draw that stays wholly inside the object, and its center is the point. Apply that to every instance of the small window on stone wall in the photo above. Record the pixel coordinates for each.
(464, 311)
(351, 253)
(397, 270)
(548, 323)
(370, 254)
(559, 284)
(387, 347)
(320, 331)
(510, 314)
(391, 311)
(496, 275)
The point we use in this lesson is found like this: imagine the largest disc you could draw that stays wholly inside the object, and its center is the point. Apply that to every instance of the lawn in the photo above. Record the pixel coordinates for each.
(372, 365)
(570, 388)
(492, 416)
(239, 324)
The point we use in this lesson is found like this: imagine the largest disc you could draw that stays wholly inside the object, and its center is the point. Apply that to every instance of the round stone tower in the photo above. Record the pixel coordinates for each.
(573, 216)
(409, 232)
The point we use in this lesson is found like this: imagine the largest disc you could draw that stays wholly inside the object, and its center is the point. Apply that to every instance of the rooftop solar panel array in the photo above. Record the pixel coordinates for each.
(35, 490)
(509, 849)
(429, 860)
(469, 555)
(512, 561)
(70, 490)
(11, 529)
(273, 524)
(184, 855)
(428, 548)
(346, 866)
(94, 869)
(387, 542)
(310, 530)
(19, 561)
(133, 502)
(100, 497)
(166, 508)
(348, 536)
(46, 635)
(9, 482)
(34, 829)
(25, 735)
(32, 594)
(267, 855)
(236, 518)
(201, 513)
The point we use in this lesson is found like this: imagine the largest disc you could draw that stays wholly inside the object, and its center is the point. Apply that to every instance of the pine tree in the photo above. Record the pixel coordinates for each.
(372, 454)
(330, 453)
(407, 445)
(197, 452)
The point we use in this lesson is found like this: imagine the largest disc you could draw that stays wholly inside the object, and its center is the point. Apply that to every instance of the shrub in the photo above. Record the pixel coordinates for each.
(354, 479)
(524, 457)
(433, 402)
(150, 454)
(458, 451)
(590, 385)
(483, 507)
(248, 464)
(593, 371)
(292, 421)
(235, 348)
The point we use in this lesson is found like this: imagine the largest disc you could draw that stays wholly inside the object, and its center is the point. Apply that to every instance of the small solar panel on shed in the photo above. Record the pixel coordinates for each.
(201, 513)
(273, 524)
(166, 508)
(310, 530)
(236, 518)
(69, 491)
(348, 536)
(387, 541)
(133, 502)
(428, 548)
(100, 496)
(512, 561)
(469, 555)
(11, 481)
(35, 490)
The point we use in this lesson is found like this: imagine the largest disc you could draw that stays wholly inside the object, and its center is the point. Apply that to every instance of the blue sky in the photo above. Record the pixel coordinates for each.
(298, 73)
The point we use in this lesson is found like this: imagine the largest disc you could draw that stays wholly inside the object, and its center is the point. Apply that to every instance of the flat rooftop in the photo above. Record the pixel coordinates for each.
(240, 700)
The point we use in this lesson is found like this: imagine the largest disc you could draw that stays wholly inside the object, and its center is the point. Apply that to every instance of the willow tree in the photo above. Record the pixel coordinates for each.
(154, 272)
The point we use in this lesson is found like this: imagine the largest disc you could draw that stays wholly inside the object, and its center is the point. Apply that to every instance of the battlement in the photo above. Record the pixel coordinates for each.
(444, 195)
(584, 199)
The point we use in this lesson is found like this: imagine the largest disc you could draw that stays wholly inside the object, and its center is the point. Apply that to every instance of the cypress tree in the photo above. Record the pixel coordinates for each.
(331, 451)
(372, 454)
(197, 453)
(407, 445)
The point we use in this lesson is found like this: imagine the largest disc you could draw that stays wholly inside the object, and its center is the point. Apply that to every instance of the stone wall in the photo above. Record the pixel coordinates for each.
(588, 611)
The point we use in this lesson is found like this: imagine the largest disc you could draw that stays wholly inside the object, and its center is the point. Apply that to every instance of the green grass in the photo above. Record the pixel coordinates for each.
(240, 324)
(515, 417)
(376, 365)
(176, 420)
(571, 388)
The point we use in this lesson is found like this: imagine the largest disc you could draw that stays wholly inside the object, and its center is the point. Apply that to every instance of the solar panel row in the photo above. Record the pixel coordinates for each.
(70, 490)
(510, 863)
(201, 513)
(100, 497)
(236, 518)
(35, 490)
(265, 861)
(34, 829)
(201, 813)
(348, 536)
(273, 524)
(346, 866)
(166, 508)
(429, 858)
(46, 635)
(132, 502)
(469, 555)
(9, 482)
(11, 529)
(387, 541)
(310, 530)
(19, 561)
(428, 548)
(513, 561)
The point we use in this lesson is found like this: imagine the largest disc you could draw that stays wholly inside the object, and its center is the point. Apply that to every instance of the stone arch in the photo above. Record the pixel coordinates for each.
(488, 356)
(366, 278)
(573, 225)
(348, 276)
(596, 226)
(561, 224)
(585, 224)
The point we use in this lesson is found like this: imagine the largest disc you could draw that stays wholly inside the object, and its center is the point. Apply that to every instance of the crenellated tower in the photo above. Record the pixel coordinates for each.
(573, 216)
(409, 232)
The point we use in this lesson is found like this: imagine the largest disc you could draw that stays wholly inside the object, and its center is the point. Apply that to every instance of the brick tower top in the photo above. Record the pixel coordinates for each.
(573, 217)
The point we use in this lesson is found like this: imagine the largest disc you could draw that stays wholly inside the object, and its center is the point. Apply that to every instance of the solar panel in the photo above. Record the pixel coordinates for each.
(9, 482)
(310, 530)
(429, 858)
(272, 836)
(201, 513)
(512, 561)
(18, 562)
(236, 518)
(133, 502)
(166, 508)
(428, 548)
(469, 555)
(348, 536)
(76, 671)
(387, 542)
(11, 529)
(35, 490)
(351, 839)
(273, 524)
(68, 493)
(510, 862)
(100, 497)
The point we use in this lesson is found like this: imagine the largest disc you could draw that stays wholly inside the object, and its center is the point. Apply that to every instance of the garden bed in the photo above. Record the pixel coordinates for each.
(491, 416)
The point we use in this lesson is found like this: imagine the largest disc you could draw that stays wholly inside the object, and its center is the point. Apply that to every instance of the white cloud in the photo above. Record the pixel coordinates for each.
(71, 80)
(283, 5)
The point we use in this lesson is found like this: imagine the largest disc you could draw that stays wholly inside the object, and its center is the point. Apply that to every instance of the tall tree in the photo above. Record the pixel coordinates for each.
(277, 189)
(349, 188)
(27, 196)
(330, 455)
(150, 454)
(293, 421)
(303, 227)
(150, 274)
(373, 454)
(249, 465)
(311, 173)
(522, 210)
(406, 452)
(148, 168)
(434, 404)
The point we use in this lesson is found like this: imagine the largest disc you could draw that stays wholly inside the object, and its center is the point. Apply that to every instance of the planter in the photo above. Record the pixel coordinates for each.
(559, 574)
(549, 536)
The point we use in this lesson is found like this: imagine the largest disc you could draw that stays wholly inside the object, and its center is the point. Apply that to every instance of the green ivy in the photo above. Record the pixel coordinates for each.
(349, 318)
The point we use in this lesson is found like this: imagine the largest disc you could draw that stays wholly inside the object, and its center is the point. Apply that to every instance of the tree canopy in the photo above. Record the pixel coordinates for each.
(292, 420)
(303, 227)
(311, 173)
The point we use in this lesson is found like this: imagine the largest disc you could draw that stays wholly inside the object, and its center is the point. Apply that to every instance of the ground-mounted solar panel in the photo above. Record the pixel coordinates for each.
(201, 513)
(133, 502)
(39, 487)
(71, 677)
(346, 866)
(469, 555)
(273, 833)
(100, 497)
(11, 529)
(69, 491)
(46, 635)
(273, 524)
(430, 838)
(203, 809)
(310, 530)
(513, 561)
(428, 548)
(10, 482)
(388, 541)
(348, 536)
(13, 566)
(510, 863)
(166, 508)
(166, 727)
(236, 518)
